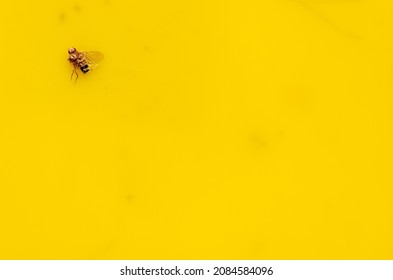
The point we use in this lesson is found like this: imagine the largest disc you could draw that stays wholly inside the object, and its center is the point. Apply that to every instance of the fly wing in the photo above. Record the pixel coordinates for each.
(93, 58)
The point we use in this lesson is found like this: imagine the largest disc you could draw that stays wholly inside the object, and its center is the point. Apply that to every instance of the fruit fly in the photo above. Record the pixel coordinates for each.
(84, 61)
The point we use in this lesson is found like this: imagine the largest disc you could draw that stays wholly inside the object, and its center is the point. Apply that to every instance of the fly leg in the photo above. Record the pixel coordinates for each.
(74, 71)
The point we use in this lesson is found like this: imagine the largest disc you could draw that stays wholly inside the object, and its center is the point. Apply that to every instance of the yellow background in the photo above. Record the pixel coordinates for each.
(211, 130)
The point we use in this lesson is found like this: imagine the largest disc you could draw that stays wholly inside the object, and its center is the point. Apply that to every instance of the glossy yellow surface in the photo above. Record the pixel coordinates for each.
(211, 130)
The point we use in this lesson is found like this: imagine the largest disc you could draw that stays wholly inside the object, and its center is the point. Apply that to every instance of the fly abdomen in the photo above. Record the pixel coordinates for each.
(84, 69)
